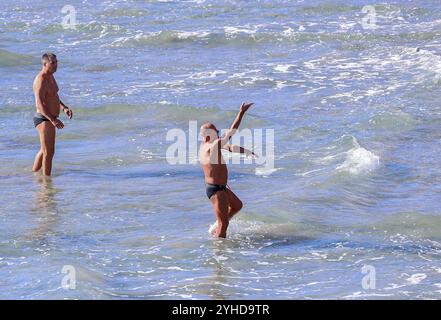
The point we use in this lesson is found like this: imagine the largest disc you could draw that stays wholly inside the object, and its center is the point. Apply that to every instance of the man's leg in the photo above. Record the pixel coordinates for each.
(47, 142)
(235, 204)
(219, 200)
(38, 161)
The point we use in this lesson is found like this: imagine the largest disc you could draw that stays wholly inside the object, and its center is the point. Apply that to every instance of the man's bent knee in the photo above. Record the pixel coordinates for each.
(237, 207)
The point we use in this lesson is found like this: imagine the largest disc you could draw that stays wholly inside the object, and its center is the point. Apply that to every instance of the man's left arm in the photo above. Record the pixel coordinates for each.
(237, 149)
(66, 110)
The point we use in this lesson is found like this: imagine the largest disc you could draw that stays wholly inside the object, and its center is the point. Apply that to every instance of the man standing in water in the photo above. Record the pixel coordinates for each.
(225, 203)
(48, 106)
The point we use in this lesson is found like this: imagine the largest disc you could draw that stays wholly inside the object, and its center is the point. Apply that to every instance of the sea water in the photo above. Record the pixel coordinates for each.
(349, 211)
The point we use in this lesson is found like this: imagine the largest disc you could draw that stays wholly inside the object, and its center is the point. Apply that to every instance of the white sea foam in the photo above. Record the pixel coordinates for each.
(192, 34)
(283, 68)
(238, 226)
(289, 32)
(359, 160)
(207, 74)
(158, 37)
(428, 61)
(234, 30)
(359, 294)
(265, 171)
(416, 278)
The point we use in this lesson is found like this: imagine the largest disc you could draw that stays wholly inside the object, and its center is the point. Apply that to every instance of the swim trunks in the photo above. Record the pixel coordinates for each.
(211, 189)
(39, 118)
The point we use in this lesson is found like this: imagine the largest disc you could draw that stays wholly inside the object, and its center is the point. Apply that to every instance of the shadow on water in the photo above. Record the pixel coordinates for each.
(45, 210)
(219, 289)
(245, 235)
(227, 261)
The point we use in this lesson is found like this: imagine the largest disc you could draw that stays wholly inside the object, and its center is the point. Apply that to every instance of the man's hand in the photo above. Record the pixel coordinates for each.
(247, 152)
(68, 112)
(58, 124)
(251, 154)
(245, 106)
(236, 149)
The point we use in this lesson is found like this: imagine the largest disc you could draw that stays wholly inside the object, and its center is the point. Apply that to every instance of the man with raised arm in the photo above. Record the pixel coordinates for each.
(225, 203)
(48, 106)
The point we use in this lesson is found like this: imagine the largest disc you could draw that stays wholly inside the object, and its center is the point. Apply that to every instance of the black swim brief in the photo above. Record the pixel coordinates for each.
(39, 118)
(213, 188)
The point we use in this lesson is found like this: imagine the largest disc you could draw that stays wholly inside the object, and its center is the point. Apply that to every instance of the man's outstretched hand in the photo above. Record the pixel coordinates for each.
(68, 112)
(245, 106)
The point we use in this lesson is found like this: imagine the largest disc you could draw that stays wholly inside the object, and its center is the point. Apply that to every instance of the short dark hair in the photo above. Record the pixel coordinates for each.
(48, 56)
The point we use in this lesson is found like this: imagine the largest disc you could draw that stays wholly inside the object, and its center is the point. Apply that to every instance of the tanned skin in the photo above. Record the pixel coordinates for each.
(48, 103)
(225, 203)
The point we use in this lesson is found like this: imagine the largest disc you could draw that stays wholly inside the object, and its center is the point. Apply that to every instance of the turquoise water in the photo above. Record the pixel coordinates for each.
(357, 122)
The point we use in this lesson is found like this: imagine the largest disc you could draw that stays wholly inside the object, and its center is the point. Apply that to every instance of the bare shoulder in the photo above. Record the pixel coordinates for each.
(204, 147)
(207, 147)
(40, 79)
(214, 144)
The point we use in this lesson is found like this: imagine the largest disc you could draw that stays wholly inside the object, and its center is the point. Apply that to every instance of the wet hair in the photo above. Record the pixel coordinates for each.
(206, 128)
(47, 57)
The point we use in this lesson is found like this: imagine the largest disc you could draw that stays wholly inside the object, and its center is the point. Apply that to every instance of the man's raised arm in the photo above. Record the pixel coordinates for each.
(236, 123)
